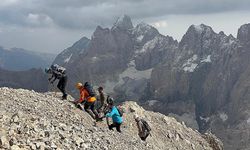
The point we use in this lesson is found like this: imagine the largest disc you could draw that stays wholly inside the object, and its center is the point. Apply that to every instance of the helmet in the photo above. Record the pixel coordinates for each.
(54, 66)
(100, 88)
(110, 100)
(78, 85)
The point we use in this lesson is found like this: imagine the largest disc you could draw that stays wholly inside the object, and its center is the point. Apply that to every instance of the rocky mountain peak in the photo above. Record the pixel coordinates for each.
(99, 32)
(199, 30)
(144, 28)
(144, 32)
(244, 33)
(124, 23)
(196, 35)
(82, 42)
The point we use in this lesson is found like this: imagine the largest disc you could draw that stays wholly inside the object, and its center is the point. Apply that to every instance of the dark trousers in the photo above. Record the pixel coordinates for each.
(89, 107)
(116, 125)
(62, 85)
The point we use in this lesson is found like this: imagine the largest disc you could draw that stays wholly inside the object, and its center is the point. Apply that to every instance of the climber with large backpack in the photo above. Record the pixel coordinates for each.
(143, 127)
(58, 72)
(88, 99)
(114, 114)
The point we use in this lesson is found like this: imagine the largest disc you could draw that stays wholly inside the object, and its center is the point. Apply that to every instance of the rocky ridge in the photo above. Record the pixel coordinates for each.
(31, 120)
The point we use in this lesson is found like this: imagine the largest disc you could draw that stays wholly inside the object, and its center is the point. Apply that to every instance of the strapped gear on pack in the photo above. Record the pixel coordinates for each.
(90, 89)
(58, 69)
(120, 111)
(146, 125)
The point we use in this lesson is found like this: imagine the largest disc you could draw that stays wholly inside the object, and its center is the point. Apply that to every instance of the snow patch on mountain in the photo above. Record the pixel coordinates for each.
(152, 102)
(94, 59)
(139, 38)
(190, 65)
(223, 116)
(206, 119)
(198, 28)
(132, 73)
(207, 59)
(142, 28)
(158, 40)
(248, 121)
(68, 59)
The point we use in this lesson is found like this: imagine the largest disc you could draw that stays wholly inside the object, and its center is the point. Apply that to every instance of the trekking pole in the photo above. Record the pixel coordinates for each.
(107, 120)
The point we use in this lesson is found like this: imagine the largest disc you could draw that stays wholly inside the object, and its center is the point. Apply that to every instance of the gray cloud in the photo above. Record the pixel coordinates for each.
(27, 23)
(84, 14)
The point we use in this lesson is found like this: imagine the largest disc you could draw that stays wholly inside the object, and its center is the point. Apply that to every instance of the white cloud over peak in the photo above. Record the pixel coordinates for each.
(39, 19)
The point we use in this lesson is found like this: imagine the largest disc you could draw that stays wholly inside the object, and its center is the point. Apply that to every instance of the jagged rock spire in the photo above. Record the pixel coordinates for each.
(244, 33)
(124, 22)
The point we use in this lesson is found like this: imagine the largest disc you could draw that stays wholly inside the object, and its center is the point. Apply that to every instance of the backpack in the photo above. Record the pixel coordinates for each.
(58, 69)
(120, 111)
(146, 125)
(90, 89)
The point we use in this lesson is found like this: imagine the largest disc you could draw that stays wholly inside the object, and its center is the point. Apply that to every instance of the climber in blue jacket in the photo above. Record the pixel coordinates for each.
(115, 115)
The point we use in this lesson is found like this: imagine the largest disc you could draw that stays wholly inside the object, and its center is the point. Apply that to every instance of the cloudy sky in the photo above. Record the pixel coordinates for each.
(53, 25)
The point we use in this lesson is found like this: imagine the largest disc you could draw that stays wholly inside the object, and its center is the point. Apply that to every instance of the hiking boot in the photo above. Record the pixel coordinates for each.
(64, 97)
(98, 119)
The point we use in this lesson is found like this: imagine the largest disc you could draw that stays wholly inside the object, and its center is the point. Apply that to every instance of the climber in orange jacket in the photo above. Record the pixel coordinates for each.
(87, 96)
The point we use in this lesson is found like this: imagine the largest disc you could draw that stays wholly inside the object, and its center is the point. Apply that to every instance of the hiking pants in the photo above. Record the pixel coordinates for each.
(89, 107)
(116, 125)
(62, 85)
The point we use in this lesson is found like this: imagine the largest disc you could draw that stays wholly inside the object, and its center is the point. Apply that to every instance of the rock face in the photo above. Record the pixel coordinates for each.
(33, 79)
(202, 80)
(31, 120)
(121, 58)
(71, 53)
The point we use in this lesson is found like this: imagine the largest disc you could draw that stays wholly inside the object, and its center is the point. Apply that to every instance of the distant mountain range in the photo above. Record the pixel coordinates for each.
(33, 79)
(17, 59)
(203, 80)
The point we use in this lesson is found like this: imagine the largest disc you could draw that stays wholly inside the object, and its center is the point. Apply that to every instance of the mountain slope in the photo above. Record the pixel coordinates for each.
(33, 79)
(31, 120)
(17, 59)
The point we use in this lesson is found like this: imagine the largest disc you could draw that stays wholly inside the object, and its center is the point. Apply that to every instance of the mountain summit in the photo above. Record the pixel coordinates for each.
(124, 23)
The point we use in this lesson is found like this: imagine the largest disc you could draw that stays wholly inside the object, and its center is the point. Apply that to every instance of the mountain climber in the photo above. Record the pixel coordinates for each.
(143, 127)
(87, 96)
(115, 115)
(101, 99)
(58, 72)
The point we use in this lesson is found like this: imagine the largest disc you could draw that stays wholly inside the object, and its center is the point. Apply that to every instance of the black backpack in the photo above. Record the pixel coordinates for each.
(58, 69)
(90, 89)
(146, 125)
